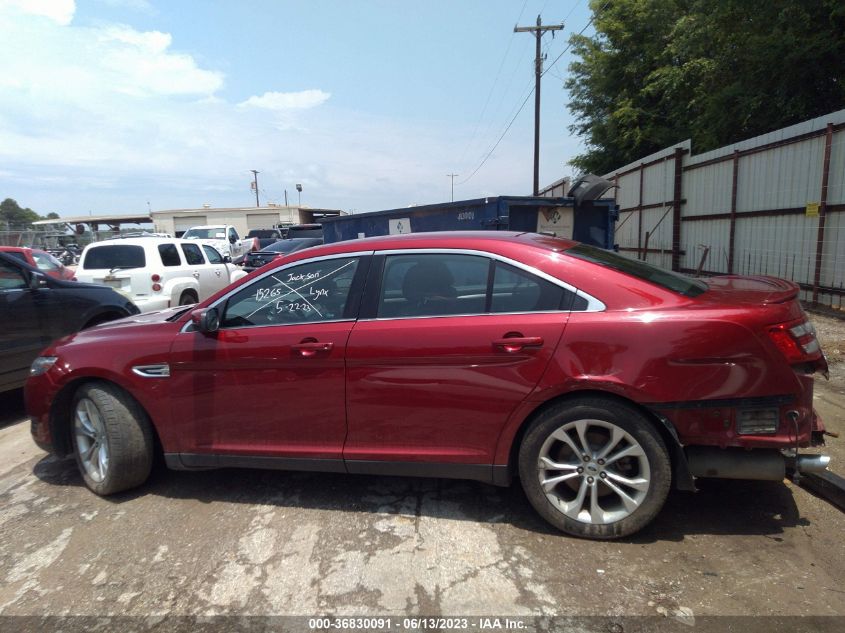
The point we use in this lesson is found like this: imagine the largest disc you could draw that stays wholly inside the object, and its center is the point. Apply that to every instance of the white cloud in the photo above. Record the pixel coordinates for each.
(136, 5)
(287, 100)
(60, 11)
(107, 117)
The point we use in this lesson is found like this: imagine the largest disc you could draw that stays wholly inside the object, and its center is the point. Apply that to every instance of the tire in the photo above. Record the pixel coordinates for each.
(189, 297)
(563, 486)
(108, 423)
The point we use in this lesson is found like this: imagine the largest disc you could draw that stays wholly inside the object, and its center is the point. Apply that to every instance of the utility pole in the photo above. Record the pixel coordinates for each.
(255, 185)
(538, 72)
(452, 176)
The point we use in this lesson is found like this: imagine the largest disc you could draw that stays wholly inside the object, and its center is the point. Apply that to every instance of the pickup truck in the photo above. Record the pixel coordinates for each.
(265, 237)
(224, 238)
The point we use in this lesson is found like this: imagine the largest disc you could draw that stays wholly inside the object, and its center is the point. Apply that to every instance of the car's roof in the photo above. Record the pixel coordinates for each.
(143, 241)
(473, 240)
(15, 249)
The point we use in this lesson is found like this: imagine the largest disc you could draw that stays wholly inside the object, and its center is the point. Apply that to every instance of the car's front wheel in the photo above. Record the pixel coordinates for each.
(189, 297)
(112, 439)
(595, 468)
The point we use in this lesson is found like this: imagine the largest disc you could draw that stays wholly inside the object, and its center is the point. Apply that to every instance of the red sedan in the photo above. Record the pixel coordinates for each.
(599, 381)
(42, 260)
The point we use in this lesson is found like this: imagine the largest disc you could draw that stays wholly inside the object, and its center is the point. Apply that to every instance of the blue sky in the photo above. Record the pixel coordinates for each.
(108, 105)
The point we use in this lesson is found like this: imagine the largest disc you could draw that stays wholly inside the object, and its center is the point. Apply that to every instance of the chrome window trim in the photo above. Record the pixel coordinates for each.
(593, 304)
(273, 271)
(467, 314)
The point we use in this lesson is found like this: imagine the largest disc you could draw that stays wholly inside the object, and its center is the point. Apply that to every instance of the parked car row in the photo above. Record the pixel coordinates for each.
(598, 381)
(157, 273)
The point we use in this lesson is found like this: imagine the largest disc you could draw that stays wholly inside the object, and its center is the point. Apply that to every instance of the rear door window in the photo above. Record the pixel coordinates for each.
(114, 256)
(169, 255)
(433, 285)
(214, 256)
(193, 255)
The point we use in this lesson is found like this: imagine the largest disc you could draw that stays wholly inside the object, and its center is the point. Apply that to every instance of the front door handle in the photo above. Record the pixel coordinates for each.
(517, 343)
(310, 347)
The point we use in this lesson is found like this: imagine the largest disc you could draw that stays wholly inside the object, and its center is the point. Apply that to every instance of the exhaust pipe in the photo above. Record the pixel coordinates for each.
(811, 463)
(736, 463)
(758, 464)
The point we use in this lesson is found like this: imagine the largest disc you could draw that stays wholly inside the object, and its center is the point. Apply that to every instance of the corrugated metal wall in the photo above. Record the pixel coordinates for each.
(745, 206)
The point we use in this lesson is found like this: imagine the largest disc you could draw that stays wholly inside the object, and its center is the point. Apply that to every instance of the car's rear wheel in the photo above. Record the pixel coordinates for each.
(595, 468)
(112, 439)
(189, 297)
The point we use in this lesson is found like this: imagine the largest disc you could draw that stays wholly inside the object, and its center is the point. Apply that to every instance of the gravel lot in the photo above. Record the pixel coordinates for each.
(252, 542)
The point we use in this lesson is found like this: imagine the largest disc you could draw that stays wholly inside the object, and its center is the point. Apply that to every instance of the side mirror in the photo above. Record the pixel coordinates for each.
(232, 239)
(206, 320)
(227, 259)
(37, 280)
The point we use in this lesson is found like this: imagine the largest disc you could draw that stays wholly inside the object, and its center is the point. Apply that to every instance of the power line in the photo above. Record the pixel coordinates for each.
(493, 149)
(527, 97)
(492, 88)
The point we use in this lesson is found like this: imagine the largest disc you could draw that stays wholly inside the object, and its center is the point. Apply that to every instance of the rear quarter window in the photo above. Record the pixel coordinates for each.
(114, 256)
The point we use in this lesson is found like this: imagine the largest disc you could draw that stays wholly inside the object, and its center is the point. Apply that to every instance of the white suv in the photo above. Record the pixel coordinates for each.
(157, 272)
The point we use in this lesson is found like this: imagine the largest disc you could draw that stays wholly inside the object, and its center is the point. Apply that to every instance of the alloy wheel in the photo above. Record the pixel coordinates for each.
(593, 471)
(91, 439)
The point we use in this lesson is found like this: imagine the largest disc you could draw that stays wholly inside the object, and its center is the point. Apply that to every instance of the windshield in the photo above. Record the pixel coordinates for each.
(213, 233)
(671, 281)
(114, 256)
(289, 246)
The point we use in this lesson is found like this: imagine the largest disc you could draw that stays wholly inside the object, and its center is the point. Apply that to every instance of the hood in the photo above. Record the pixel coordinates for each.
(146, 318)
(756, 290)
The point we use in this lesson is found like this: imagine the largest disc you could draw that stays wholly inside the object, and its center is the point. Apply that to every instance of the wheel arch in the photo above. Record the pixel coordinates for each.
(681, 477)
(103, 317)
(176, 286)
(61, 412)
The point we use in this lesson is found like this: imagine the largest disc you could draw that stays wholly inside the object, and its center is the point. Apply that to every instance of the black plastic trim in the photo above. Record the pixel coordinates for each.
(487, 473)
(205, 461)
(765, 401)
(372, 288)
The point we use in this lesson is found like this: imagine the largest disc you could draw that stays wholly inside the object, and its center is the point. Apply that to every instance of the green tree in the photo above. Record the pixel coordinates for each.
(12, 216)
(659, 71)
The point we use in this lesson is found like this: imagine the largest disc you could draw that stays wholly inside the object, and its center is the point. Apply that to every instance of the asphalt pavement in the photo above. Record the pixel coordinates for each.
(241, 542)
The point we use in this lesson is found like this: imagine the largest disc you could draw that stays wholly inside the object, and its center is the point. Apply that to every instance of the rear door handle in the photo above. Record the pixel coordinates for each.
(196, 275)
(517, 343)
(309, 348)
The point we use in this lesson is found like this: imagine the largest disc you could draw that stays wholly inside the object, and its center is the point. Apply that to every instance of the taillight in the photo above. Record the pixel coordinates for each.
(156, 277)
(796, 340)
(156, 287)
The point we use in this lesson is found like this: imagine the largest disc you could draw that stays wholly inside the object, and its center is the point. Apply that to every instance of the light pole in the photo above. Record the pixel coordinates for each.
(299, 190)
(452, 176)
(255, 185)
